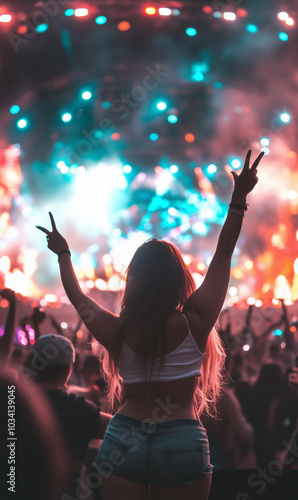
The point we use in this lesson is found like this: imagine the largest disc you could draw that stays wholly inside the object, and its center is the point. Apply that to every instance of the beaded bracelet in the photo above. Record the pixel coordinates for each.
(62, 252)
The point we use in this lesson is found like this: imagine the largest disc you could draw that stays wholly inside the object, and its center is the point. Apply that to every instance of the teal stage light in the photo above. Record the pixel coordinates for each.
(161, 105)
(127, 169)
(106, 105)
(252, 28)
(283, 37)
(153, 137)
(264, 141)
(66, 117)
(69, 12)
(191, 31)
(14, 109)
(41, 28)
(86, 95)
(211, 169)
(101, 20)
(236, 163)
(285, 117)
(172, 119)
(22, 123)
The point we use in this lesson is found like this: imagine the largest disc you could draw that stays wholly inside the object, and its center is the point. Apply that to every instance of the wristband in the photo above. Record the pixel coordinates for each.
(237, 205)
(62, 252)
(238, 212)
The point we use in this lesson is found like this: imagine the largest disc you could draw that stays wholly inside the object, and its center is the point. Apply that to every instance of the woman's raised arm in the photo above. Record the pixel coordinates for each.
(208, 299)
(98, 320)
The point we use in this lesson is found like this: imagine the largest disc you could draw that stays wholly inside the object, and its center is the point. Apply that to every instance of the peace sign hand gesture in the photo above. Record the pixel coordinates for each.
(247, 179)
(55, 240)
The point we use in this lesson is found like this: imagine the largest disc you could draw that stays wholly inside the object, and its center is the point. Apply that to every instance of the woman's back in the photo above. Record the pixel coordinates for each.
(171, 397)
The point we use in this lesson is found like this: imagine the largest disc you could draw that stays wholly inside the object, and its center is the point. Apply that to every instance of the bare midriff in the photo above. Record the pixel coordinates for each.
(159, 401)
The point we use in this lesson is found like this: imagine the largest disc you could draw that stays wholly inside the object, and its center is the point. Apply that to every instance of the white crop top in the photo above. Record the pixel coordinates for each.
(184, 361)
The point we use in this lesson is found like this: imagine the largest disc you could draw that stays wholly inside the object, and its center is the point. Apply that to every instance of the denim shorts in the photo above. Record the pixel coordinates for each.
(167, 454)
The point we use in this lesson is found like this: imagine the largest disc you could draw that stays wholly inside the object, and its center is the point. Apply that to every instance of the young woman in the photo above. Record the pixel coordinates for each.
(163, 358)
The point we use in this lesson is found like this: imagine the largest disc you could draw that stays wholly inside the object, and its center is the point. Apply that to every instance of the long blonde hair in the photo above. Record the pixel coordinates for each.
(158, 283)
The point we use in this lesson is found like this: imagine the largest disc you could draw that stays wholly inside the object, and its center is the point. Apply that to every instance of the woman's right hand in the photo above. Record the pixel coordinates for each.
(246, 180)
(55, 240)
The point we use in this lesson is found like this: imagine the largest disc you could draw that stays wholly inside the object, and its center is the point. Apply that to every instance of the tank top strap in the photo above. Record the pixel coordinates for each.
(186, 322)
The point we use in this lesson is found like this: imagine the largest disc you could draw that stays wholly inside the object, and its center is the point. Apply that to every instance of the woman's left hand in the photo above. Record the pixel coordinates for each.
(55, 240)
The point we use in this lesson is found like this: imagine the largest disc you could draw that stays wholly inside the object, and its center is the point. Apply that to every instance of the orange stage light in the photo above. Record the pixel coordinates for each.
(150, 11)
(189, 137)
(123, 26)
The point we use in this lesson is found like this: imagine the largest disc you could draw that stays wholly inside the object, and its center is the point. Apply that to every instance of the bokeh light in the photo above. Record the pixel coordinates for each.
(66, 117)
(172, 119)
(191, 31)
(101, 20)
(123, 26)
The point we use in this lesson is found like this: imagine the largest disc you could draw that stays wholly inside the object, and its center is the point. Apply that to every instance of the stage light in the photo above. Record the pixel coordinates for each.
(246, 347)
(107, 259)
(265, 150)
(86, 95)
(285, 117)
(283, 37)
(200, 228)
(5, 18)
(22, 29)
(41, 28)
(172, 119)
(66, 117)
(69, 12)
(264, 141)
(191, 31)
(81, 12)
(289, 21)
(14, 109)
(189, 137)
(123, 26)
(176, 12)
(211, 169)
(4, 264)
(292, 194)
(60, 164)
(174, 169)
(207, 9)
(115, 136)
(236, 163)
(164, 11)
(229, 16)
(241, 12)
(217, 14)
(106, 104)
(252, 28)
(277, 332)
(127, 169)
(218, 85)
(22, 123)
(153, 136)
(64, 169)
(150, 11)
(101, 20)
(198, 76)
(161, 105)
(233, 291)
(282, 16)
